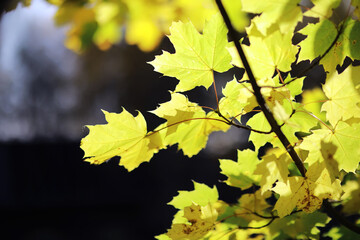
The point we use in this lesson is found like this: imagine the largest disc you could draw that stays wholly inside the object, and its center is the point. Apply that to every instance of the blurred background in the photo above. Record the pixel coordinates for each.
(48, 94)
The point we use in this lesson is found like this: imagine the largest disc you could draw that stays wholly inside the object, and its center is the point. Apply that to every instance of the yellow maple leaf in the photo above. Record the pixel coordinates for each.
(200, 221)
(306, 193)
(343, 94)
(187, 124)
(125, 136)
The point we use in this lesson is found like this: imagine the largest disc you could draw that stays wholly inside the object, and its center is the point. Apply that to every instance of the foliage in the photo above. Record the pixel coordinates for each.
(140, 22)
(314, 159)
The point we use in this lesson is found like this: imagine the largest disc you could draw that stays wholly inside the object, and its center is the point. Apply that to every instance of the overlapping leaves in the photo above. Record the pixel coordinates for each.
(327, 143)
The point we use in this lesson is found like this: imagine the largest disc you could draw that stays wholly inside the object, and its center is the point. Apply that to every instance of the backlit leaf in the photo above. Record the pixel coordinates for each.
(124, 136)
(197, 55)
(308, 193)
(343, 94)
(265, 54)
(345, 137)
(201, 195)
(241, 173)
(284, 13)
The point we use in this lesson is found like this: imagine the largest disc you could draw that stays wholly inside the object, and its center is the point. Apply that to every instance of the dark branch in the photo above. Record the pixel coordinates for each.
(270, 118)
(257, 92)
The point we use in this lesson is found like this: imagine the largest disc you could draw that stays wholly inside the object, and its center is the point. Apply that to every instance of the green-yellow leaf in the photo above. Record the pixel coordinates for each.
(312, 101)
(265, 54)
(197, 55)
(322, 9)
(238, 99)
(346, 45)
(346, 138)
(187, 124)
(201, 195)
(308, 193)
(241, 173)
(273, 167)
(319, 38)
(300, 225)
(124, 135)
(201, 219)
(284, 13)
(343, 94)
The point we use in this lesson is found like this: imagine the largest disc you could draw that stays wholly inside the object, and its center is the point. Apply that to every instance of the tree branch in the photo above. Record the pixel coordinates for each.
(257, 92)
(331, 212)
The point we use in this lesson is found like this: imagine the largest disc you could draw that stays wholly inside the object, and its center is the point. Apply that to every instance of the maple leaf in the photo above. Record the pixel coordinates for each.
(346, 45)
(284, 13)
(307, 193)
(187, 124)
(237, 16)
(179, 109)
(319, 38)
(300, 225)
(252, 204)
(197, 56)
(238, 99)
(343, 94)
(200, 221)
(273, 167)
(265, 54)
(322, 8)
(201, 195)
(344, 137)
(299, 121)
(312, 101)
(241, 173)
(124, 136)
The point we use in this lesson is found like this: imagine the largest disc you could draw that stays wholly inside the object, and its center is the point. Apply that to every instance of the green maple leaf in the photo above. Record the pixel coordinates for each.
(273, 167)
(124, 136)
(346, 45)
(308, 193)
(299, 225)
(188, 125)
(200, 221)
(265, 54)
(259, 122)
(343, 94)
(179, 109)
(202, 195)
(241, 173)
(312, 101)
(284, 13)
(238, 99)
(319, 38)
(345, 137)
(197, 56)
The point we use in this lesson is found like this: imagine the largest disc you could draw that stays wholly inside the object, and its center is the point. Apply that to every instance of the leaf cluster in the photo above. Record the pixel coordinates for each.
(313, 161)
